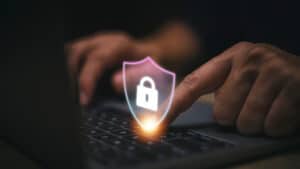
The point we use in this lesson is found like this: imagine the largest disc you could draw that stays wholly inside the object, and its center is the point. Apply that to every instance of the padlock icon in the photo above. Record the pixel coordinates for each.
(147, 97)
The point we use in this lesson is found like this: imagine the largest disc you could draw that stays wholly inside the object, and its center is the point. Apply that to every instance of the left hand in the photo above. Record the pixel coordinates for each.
(90, 57)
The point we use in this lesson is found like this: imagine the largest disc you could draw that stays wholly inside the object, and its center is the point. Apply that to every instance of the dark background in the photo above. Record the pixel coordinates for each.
(33, 34)
(219, 23)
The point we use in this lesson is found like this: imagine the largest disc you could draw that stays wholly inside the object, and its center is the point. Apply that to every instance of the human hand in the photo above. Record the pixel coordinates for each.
(90, 57)
(256, 89)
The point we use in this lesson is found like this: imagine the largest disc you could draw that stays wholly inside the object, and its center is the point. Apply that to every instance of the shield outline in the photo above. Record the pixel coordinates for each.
(157, 66)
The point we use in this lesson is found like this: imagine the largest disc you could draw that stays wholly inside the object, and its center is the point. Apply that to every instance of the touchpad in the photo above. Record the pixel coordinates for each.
(198, 114)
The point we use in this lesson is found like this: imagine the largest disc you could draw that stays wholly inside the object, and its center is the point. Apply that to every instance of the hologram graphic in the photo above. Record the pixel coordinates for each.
(165, 83)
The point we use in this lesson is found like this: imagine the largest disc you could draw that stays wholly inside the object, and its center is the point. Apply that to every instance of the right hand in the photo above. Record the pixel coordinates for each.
(90, 57)
(256, 89)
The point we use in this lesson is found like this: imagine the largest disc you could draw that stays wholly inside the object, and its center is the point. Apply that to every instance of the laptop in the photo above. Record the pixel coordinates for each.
(42, 119)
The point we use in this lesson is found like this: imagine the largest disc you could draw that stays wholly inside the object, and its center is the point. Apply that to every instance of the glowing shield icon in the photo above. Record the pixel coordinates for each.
(149, 90)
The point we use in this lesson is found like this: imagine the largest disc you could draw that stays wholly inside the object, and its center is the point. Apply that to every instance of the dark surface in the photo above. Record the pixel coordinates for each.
(38, 115)
(13, 159)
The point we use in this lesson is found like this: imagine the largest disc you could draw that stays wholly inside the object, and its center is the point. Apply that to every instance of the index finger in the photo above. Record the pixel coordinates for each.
(203, 80)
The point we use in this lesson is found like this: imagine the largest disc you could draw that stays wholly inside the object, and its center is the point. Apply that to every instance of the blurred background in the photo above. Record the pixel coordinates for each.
(219, 24)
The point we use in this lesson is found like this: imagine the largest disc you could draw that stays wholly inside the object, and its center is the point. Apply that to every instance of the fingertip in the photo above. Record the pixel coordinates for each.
(117, 82)
(83, 93)
(91, 72)
(85, 86)
(83, 98)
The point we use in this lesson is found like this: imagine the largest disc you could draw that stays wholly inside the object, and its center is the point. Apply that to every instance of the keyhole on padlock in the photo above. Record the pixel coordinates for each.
(147, 97)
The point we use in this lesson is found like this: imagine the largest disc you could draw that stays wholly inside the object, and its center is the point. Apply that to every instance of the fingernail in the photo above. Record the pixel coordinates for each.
(83, 99)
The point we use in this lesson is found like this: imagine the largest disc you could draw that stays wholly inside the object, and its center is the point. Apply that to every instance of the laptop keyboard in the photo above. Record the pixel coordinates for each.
(110, 138)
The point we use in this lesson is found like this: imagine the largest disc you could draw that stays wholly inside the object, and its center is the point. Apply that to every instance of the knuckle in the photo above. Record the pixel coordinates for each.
(278, 68)
(189, 87)
(275, 66)
(251, 59)
(247, 74)
(189, 84)
(190, 81)
(243, 44)
(258, 50)
(256, 56)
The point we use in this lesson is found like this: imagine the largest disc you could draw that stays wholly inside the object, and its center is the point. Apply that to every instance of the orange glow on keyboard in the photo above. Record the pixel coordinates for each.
(149, 125)
(149, 130)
